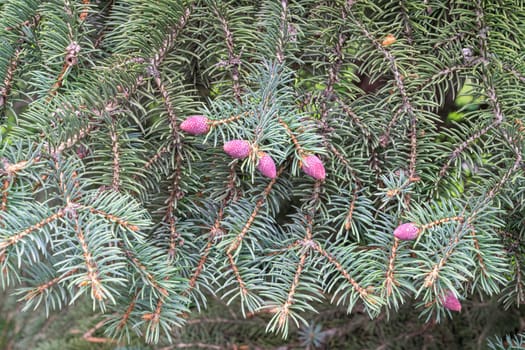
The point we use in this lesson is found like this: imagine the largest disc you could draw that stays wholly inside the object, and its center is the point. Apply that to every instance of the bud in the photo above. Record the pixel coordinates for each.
(195, 125)
(237, 148)
(450, 302)
(267, 166)
(406, 231)
(313, 166)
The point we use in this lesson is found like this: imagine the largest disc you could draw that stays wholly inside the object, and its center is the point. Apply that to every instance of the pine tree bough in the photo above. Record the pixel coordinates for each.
(285, 158)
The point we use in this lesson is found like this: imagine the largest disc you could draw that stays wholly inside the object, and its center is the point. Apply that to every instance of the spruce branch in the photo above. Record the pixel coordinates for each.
(517, 74)
(233, 60)
(363, 292)
(116, 163)
(6, 88)
(390, 274)
(110, 217)
(283, 29)
(92, 273)
(17, 237)
(39, 290)
(407, 106)
(259, 204)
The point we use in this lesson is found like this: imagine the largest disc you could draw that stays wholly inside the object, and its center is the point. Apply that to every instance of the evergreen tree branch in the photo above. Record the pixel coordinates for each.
(234, 61)
(91, 266)
(4, 90)
(407, 106)
(259, 204)
(116, 163)
(17, 237)
(110, 217)
(45, 287)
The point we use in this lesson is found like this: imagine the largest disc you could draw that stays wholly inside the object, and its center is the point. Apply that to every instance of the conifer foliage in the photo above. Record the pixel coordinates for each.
(158, 156)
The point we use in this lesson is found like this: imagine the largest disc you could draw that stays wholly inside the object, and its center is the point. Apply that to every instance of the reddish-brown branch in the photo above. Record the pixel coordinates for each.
(214, 123)
(83, 15)
(113, 218)
(459, 219)
(88, 336)
(464, 146)
(17, 237)
(30, 22)
(406, 103)
(362, 291)
(116, 157)
(236, 243)
(176, 194)
(433, 275)
(349, 215)
(170, 39)
(351, 114)
(92, 270)
(279, 50)
(200, 266)
(154, 317)
(233, 59)
(214, 231)
(43, 287)
(58, 82)
(390, 278)
(478, 251)
(5, 189)
(297, 145)
(172, 116)
(151, 279)
(70, 142)
(4, 91)
(235, 269)
(128, 311)
(285, 309)
(154, 159)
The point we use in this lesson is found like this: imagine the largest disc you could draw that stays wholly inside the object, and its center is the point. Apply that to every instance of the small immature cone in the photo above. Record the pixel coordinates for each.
(237, 148)
(195, 125)
(406, 231)
(313, 167)
(267, 166)
(451, 303)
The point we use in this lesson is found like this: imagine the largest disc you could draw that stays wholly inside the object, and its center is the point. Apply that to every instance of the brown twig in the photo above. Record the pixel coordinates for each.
(92, 269)
(236, 243)
(20, 235)
(116, 156)
(279, 50)
(285, 308)
(113, 218)
(233, 60)
(85, 11)
(88, 336)
(390, 277)
(406, 103)
(4, 90)
(362, 291)
(128, 311)
(45, 286)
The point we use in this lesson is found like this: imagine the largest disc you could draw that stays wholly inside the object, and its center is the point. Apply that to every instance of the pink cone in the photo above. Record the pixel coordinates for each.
(313, 166)
(407, 231)
(267, 166)
(195, 125)
(237, 148)
(451, 303)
